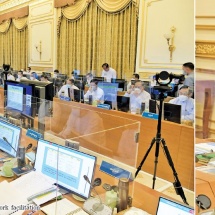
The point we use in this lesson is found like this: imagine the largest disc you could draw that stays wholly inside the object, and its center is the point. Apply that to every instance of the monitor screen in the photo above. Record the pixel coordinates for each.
(66, 165)
(123, 103)
(110, 90)
(172, 112)
(12, 134)
(19, 96)
(15, 96)
(166, 205)
(121, 83)
(152, 106)
(78, 95)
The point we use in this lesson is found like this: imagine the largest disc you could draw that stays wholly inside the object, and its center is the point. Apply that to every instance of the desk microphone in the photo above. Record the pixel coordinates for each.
(97, 182)
(5, 139)
(29, 146)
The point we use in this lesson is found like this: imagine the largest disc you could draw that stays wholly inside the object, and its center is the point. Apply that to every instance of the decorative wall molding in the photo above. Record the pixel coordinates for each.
(205, 17)
(12, 3)
(205, 71)
(41, 10)
(205, 27)
(205, 49)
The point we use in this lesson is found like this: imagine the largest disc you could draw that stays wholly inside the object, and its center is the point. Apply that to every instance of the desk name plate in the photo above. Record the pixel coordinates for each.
(34, 134)
(115, 171)
(65, 98)
(150, 115)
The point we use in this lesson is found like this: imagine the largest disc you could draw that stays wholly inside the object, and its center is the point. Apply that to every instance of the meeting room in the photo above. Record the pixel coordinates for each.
(97, 107)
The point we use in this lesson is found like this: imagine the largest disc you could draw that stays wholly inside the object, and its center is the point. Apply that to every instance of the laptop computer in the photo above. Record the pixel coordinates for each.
(167, 206)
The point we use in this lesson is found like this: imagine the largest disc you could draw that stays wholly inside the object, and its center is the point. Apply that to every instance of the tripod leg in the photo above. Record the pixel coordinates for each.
(177, 183)
(145, 156)
(156, 161)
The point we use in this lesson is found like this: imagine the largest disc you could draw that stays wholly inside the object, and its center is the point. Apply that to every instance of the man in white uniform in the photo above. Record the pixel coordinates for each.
(138, 96)
(96, 92)
(108, 72)
(10, 77)
(187, 103)
(20, 76)
(68, 86)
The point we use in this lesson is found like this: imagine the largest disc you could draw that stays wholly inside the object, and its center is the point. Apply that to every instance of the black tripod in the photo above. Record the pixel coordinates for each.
(158, 140)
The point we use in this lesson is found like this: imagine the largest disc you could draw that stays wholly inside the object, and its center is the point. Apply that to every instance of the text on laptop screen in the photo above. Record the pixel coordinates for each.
(166, 206)
(12, 134)
(65, 166)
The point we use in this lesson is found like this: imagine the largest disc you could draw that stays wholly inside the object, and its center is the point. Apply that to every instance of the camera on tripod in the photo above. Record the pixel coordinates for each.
(164, 80)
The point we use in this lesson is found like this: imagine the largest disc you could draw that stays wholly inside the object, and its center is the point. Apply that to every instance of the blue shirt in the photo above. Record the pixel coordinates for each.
(187, 108)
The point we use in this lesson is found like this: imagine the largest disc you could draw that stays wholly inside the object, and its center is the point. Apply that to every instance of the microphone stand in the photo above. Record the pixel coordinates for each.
(159, 140)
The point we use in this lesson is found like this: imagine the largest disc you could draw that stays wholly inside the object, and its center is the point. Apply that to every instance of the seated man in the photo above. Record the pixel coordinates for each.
(44, 78)
(108, 73)
(34, 76)
(135, 77)
(20, 76)
(69, 85)
(138, 96)
(187, 103)
(56, 72)
(10, 77)
(96, 92)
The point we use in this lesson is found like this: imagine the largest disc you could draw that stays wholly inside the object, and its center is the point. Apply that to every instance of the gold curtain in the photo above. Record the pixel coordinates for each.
(5, 26)
(20, 23)
(98, 37)
(14, 47)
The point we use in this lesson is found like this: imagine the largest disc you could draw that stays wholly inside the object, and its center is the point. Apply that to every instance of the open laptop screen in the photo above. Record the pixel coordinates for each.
(65, 166)
(166, 206)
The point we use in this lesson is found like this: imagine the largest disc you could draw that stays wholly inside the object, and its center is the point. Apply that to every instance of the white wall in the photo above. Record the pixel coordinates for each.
(156, 18)
(42, 28)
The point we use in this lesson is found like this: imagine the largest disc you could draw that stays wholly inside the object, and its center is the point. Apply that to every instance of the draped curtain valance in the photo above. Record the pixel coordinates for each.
(77, 7)
(20, 24)
(5, 26)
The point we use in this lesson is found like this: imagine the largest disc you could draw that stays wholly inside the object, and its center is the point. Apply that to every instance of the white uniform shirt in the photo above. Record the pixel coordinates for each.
(65, 88)
(187, 108)
(22, 78)
(97, 94)
(10, 78)
(110, 74)
(135, 102)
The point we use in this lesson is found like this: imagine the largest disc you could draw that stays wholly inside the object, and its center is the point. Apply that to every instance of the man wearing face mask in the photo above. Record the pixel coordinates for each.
(34, 76)
(94, 91)
(10, 77)
(138, 96)
(89, 77)
(20, 76)
(187, 103)
(68, 86)
(135, 77)
(188, 69)
(56, 72)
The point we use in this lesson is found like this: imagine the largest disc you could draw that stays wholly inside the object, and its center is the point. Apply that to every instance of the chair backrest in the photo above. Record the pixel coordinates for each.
(207, 111)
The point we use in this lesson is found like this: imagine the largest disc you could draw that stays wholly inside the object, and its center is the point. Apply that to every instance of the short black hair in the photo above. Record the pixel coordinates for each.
(21, 72)
(71, 80)
(184, 87)
(106, 65)
(29, 67)
(136, 76)
(189, 65)
(44, 76)
(56, 71)
(89, 74)
(137, 81)
(94, 81)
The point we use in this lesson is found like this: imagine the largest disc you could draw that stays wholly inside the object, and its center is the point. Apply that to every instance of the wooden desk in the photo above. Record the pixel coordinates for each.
(144, 197)
(179, 139)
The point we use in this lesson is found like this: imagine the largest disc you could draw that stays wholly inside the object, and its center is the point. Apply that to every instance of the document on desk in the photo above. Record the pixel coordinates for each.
(63, 207)
(33, 184)
(204, 147)
(10, 197)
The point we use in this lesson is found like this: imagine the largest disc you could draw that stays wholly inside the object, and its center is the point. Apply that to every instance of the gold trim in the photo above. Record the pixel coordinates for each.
(205, 27)
(205, 71)
(161, 67)
(205, 49)
(205, 17)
